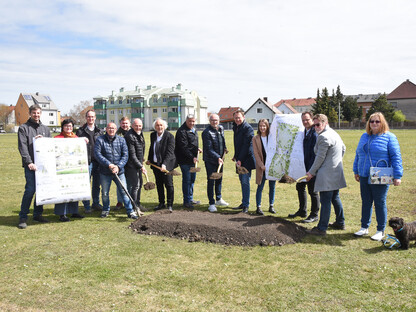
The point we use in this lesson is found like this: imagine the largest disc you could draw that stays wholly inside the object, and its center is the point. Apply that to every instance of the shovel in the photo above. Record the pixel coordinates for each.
(290, 180)
(149, 185)
(217, 175)
(135, 207)
(195, 169)
(172, 172)
(240, 169)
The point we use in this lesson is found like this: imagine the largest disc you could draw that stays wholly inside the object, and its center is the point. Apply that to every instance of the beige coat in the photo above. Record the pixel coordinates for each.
(258, 155)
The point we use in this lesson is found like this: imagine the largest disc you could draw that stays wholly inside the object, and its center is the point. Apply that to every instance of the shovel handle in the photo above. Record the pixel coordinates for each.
(197, 156)
(147, 178)
(161, 169)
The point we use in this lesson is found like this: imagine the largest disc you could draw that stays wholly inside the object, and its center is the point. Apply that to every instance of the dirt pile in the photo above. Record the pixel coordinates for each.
(220, 228)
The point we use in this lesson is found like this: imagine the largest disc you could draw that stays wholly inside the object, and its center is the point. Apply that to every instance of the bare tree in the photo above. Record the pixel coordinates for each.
(4, 114)
(77, 113)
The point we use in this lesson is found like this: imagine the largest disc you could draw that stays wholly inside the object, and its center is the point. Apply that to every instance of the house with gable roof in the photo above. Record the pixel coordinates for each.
(404, 98)
(299, 105)
(261, 109)
(50, 115)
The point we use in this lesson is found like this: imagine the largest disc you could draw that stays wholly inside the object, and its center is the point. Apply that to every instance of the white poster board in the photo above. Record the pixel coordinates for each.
(286, 146)
(62, 170)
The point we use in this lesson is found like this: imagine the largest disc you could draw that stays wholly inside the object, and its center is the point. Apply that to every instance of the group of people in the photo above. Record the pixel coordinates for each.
(119, 155)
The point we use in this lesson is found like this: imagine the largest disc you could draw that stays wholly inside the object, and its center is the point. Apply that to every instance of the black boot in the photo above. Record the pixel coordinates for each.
(271, 210)
(259, 211)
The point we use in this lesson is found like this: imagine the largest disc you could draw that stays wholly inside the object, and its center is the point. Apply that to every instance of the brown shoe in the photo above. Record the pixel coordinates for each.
(316, 231)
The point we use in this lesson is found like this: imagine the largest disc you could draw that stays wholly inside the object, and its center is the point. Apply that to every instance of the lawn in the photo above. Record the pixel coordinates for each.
(98, 264)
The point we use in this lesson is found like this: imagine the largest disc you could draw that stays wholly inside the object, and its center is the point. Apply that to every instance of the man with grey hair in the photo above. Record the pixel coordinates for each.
(162, 154)
(33, 128)
(186, 152)
(134, 167)
(214, 149)
(111, 152)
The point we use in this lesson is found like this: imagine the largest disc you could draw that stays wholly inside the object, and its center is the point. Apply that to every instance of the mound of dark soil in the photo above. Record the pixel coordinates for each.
(221, 228)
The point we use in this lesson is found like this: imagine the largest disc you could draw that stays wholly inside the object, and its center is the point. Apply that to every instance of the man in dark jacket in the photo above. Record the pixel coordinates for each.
(309, 141)
(122, 130)
(243, 155)
(90, 131)
(134, 167)
(214, 149)
(186, 151)
(162, 154)
(112, 154)
(33, 128)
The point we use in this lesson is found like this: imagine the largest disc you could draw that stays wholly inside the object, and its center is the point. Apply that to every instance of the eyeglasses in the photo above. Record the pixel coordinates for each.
(317, 124)
(375, 121)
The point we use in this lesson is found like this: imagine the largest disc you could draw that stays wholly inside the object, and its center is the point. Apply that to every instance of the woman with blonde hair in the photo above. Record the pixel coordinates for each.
(260, 143)
(376, 144)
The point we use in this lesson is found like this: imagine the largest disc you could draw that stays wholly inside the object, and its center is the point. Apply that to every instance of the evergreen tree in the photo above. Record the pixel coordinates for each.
(315, 107)
(381, 105)
(350, 109)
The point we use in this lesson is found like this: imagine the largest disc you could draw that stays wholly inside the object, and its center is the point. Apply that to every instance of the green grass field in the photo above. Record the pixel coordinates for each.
(98, 264)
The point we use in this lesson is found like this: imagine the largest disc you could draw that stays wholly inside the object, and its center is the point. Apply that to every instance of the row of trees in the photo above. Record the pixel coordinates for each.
(346, 108)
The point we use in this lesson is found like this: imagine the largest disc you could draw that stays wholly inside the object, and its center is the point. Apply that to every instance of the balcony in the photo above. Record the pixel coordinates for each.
(174, 103)
(174, 114)
(173, 125)
(137, 105)
(101, 116)
(137, 115)
(99, 106)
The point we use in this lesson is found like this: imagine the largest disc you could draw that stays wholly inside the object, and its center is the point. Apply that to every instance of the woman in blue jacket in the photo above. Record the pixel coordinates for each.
(374, 145)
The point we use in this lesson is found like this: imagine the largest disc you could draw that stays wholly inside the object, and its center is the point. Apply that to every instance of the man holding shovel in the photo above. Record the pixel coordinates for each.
(134, 167)
(186, 151)
(214, 149)
(244, 155)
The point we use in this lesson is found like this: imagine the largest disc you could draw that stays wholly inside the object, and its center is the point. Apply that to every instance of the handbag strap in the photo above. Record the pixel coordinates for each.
(371, 162)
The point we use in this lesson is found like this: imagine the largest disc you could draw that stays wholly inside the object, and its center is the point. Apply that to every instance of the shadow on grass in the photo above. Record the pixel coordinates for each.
(331, 238)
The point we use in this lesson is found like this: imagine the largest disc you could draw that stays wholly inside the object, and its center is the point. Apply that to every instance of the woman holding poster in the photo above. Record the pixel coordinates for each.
(71, 207)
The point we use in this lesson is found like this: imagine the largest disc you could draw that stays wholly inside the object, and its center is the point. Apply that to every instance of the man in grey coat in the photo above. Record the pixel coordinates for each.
(327, 167)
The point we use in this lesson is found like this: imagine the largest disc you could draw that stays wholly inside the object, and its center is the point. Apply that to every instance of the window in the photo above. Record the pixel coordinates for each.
(128, 101)
(164, 110)
(164, 100)
(120, 111)
(259, 110)
(154, 110)
(50, 114)
(174, 109)
(112, 112)
(120, 101)
(51, 122)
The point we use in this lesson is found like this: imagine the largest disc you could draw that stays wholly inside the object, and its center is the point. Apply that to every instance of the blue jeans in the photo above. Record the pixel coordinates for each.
(272, 188)
(188, 180)
(105, 191)
(211, 184)
(327, 198)
(30, 189)
(95, 192)
(245, 188)
(377, 194)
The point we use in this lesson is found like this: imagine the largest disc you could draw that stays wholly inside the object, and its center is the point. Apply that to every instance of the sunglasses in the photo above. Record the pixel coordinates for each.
(375, 121)
(317, 124)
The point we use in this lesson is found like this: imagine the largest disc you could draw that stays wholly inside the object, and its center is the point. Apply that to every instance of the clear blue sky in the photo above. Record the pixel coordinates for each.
(230, 51)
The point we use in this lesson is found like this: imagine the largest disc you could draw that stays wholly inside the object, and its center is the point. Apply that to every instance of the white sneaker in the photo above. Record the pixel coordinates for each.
(221, 202)
(378, 236)
(212, 208)
(361, 232)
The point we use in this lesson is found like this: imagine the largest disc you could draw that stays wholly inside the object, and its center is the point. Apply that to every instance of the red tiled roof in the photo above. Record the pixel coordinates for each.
(226, 113)
(297, 102)
(407, 90)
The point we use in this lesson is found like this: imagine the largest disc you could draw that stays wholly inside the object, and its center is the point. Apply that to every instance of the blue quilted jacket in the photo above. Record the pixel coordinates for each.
(384, 146)
(107, 151)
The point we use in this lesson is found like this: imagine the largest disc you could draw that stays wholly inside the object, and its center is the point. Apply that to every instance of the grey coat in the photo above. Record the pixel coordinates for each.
(329, 150)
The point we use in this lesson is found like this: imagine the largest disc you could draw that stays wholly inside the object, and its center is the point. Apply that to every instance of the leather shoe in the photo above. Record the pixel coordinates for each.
(245, 210)
(188, 205)
(316, 231)
(259, 211)
(297, 214)
(64, 218)
(160, 206)
(336, 226)
(310, 219)
(239, 207)
(77, 215)
(271, 210)
(40, 219)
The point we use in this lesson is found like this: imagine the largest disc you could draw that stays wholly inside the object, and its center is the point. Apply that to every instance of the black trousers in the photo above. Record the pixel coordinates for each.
(134, 179)
(164, 181)
(303, 197)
